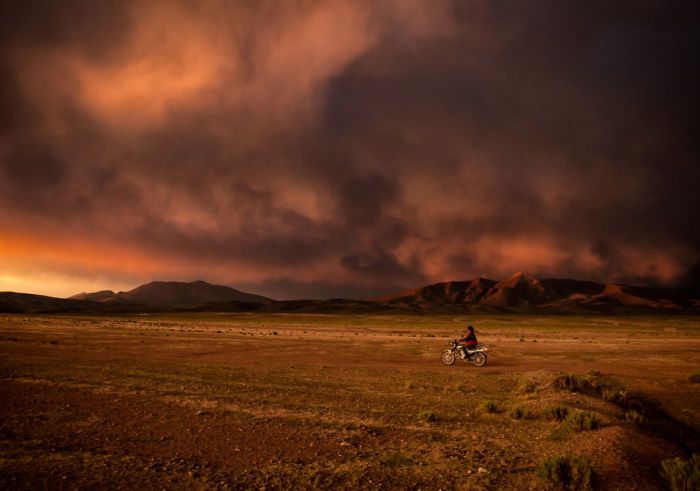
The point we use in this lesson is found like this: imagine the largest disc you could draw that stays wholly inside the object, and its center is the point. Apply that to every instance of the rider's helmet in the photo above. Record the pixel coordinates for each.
(470, 328)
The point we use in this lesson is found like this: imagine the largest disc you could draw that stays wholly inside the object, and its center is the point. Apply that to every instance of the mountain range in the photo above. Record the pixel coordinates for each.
(519, 292)
(523, 292)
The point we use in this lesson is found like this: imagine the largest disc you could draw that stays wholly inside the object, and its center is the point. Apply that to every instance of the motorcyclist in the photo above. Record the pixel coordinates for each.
(468, 341)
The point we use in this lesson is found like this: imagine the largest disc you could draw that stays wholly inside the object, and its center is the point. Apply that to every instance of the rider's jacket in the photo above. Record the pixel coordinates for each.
(469, 340)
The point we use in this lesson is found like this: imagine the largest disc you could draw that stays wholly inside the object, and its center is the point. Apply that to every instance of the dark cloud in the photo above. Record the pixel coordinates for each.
(350, 148)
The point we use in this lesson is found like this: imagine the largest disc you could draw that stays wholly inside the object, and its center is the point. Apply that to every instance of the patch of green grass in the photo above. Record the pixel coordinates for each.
(428, 416)
(682, 475)
(582, 421)
(558, 413)
(490, 407)
(694, 378)
(573, 473)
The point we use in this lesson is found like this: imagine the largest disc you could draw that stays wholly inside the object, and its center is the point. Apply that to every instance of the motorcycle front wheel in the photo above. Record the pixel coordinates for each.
(479, 359)
(448, 358)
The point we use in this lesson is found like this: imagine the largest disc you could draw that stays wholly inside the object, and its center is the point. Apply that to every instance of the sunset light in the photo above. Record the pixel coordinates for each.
(349, 245)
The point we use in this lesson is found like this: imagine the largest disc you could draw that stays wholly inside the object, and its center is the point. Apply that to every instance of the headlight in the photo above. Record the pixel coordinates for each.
(486, 349)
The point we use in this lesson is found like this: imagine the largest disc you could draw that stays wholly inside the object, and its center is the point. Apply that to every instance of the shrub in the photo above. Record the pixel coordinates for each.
(490, 406)
(567, 473)
(694, 377)
(615, 395)
(558, 413)
(594, 384)
(408, 384)
(527, 387)
(571, 382)
(582, 421)
(682, 475)
(611, 390)
(519, 412)
(635, 417)
(428, 416)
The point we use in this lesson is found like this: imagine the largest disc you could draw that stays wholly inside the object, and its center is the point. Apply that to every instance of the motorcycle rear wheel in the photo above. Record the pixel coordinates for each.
(448, 358)
(479, 359)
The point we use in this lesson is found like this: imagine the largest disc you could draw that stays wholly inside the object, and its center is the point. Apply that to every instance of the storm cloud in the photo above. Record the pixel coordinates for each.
(347, 148)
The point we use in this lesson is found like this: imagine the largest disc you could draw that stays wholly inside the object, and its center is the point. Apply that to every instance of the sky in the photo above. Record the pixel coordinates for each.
(308, 149)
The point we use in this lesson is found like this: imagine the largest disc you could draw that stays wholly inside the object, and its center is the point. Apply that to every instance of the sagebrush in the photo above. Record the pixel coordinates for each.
(490, 406)
(558, 413)
(680, 474)
(574, 473)
(520, 412)
(582, 421)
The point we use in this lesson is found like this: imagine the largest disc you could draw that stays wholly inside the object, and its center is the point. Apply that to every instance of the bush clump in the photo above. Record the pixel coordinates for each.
(615, 395)
(694, 378)
(594, 384)
(635, 417)
(490, 406)
(582, 421)
(428, 416)
(558, 413)
(571, 382)
(527, 387)
(682, 475)
(519, 412)
(573, 473)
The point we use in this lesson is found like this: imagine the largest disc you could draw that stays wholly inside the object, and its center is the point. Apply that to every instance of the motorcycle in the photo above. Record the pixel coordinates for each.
(476, 355)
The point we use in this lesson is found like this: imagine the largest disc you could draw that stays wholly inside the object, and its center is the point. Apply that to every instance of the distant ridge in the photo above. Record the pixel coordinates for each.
(518, 293)
(450, 292)
(174, 294)
(102, 296)
(522, 291)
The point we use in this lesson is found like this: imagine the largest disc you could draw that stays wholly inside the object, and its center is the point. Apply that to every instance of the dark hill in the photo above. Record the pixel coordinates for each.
(445, 293)
(518, 290)
(519, 293)
(523, 292)
(101, 296)
(25, 303)
(173, 294)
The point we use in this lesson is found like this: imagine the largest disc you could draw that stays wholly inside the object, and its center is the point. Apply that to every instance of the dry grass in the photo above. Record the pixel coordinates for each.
(320, 401)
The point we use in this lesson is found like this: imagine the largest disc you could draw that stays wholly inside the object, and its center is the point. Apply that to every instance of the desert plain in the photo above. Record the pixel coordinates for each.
(278, 401)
